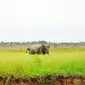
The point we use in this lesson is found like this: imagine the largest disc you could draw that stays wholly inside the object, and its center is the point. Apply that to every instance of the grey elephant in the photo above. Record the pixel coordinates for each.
(38, 49)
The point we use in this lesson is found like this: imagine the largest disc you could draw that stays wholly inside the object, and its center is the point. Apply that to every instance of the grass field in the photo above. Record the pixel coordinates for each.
(59, 62)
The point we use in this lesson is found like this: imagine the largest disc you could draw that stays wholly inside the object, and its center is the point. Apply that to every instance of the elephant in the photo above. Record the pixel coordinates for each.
(38, 49)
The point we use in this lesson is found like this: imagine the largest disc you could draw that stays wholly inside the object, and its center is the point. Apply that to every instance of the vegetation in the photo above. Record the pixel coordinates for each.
(24, 45)
(59, 62)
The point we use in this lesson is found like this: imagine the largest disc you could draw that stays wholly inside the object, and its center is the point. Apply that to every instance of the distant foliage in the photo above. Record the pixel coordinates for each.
(24, 45)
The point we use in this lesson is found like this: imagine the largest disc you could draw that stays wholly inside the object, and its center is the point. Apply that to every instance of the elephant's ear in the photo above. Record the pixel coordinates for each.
(40, 50)
(42, 45)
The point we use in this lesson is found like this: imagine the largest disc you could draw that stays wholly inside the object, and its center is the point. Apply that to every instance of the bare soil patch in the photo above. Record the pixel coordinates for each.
(45, 80)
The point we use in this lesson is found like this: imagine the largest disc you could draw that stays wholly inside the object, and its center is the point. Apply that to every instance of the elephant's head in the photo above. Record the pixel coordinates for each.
(44, 49)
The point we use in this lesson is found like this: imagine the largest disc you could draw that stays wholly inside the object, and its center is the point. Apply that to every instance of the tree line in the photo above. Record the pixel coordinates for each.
(24, 45)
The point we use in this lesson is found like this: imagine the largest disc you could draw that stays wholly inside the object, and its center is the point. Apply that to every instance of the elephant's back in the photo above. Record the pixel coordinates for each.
(34, 46)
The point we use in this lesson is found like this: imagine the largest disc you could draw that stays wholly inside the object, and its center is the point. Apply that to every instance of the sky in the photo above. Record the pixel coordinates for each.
(49, 20)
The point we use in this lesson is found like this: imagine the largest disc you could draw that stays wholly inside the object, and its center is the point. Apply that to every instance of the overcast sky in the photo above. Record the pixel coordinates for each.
(50, 20)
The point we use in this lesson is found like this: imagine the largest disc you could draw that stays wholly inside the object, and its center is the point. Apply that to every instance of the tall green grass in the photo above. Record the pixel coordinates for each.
(59, 62)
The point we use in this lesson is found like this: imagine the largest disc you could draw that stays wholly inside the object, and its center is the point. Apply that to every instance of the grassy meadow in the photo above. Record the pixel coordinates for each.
(59, 62)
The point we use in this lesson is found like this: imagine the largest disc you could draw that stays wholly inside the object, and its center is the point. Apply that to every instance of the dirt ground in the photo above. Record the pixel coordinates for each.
(46, 80)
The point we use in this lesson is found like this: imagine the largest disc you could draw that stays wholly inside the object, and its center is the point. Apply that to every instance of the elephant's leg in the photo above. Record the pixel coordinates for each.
(44, 52)
(26, 51)
(30, 52)
(48, 52)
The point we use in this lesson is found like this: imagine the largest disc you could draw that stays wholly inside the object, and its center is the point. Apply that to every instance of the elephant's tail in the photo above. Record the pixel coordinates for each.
(27, 50)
